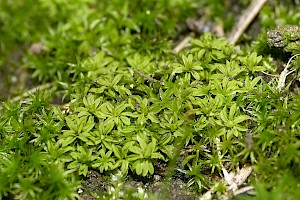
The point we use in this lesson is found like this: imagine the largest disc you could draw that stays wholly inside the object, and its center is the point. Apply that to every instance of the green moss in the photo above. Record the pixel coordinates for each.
(135, 108)
(287, 37)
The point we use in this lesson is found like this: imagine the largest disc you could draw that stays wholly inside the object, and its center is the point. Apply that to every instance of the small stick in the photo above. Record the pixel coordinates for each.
(182, 44)
(147, 77)
(239, 178)
(245, 20)
(31, 91)
(234, 180)
(243, 190)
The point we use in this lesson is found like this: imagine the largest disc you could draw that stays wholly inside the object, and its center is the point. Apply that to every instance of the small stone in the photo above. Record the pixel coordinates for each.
(36, 48)
(157, 177)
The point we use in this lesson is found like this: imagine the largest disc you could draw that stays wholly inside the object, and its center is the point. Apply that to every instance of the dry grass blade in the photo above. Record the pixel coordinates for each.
(285, 73)
(31, 91)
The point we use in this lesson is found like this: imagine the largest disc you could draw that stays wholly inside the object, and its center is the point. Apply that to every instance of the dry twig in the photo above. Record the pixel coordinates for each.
(245, 20)
(239, 28)
(234, 180)
(28, 93)
(243, 190)
(182, 44)
(32, 91)
(147, 77)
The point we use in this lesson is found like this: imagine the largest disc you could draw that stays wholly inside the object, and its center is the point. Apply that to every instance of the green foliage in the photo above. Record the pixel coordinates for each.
(287, 13)
(134, 104)
(143, 156)
(130, 120)
(66, 33)
(192, 102)
(27, 169)
(285, 188)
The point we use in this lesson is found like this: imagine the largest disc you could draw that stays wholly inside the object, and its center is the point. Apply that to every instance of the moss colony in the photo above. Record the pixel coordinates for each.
(116, 105)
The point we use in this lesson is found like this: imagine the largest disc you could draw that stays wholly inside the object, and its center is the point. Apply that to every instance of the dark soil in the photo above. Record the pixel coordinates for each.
(96, 184)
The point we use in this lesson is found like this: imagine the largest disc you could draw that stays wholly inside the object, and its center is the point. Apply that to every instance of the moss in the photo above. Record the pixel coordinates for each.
(286, 37)
(137, 111)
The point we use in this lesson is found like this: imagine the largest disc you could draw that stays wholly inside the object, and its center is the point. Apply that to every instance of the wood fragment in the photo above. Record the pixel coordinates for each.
(234, 180)
(239, 178)
(243, 190)
(32, 91)
(182, 44)
(245, 20)
(28, 93)
(147, 77)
